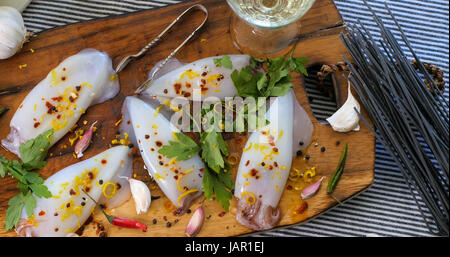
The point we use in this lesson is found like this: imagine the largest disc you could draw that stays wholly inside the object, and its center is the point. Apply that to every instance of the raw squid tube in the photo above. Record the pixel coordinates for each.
(59, 100)
(203, 75)
(181, 181)
(264, 167)
(64, 212)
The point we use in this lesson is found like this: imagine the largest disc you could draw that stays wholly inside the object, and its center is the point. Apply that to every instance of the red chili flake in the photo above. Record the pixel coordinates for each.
(152, 149)
(186, 188)
(302, 208)
(187, 94)
(128, 122)
(203, 88)
(220, 77)
(91, 175)
(202, 170)
(68, 205)
(139, 141)
(203, 81)
(63, 78)
(37, 124)
(204, 73)
(56, 214)
(41, 213)
(165, 91)
(119, 186)
(134, 150)
(188, 85)
(276, 164)
(56, 229)
(64, 68)
(176, 171)
(275, 149)
(221, 214)
(253, 172)
(147, 136)
(57, 99)
(165, 218)
(270, 167)
(175, 177)
(104, 161)
(59, 116)
(289, 187)
(87, 189)
(160, 157)
(177, 88)
(72, 192)
(159, 143)
(247, 163)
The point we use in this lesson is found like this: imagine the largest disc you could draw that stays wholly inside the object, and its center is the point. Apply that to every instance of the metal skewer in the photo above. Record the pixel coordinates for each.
(123, 63)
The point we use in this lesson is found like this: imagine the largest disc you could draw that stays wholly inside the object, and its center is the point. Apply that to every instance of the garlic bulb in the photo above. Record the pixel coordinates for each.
(141, 195)
(346, 119)
(12, 31)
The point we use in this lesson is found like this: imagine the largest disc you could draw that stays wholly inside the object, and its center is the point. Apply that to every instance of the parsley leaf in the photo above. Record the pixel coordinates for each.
(253, 81)
(225, 61)
(14, 211)
(213, 146)
(183, 149)
(34, 151)
(218, 184)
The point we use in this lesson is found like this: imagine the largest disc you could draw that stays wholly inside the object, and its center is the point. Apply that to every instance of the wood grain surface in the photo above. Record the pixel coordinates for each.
(123, 35)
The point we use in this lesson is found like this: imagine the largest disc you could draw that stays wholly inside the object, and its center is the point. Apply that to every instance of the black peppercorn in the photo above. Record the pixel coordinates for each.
(83, 203)
(307, 157)
(299, 153)
(169, 224)
(263, 164)
(322, 149)
(188, 211)
(301, 143)
(155, 221)
(338, 143)
(100, 181)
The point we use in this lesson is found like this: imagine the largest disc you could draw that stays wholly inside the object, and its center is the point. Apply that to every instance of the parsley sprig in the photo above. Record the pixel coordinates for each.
(33, 154)
(253, 81)
(217, 174)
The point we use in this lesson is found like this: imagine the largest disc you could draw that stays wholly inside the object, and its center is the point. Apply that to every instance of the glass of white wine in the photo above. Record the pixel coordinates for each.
(265, 28)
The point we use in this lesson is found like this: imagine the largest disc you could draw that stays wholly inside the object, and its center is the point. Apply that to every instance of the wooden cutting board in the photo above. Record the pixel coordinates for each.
(126, 34)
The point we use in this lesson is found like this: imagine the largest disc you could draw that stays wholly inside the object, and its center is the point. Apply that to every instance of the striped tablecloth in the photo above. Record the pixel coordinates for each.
(387, 208)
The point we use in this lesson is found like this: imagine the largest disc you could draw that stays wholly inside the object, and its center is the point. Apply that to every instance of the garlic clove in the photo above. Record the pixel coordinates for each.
(84, 141)
(346, 119)
(141, 195)
(311, 189)
(196, 222)
(12, 31)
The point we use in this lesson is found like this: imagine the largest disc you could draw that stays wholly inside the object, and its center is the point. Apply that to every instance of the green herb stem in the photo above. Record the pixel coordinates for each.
(337, 174)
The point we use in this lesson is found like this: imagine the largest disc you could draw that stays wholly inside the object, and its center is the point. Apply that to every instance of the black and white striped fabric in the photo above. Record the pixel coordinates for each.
(387, 208)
